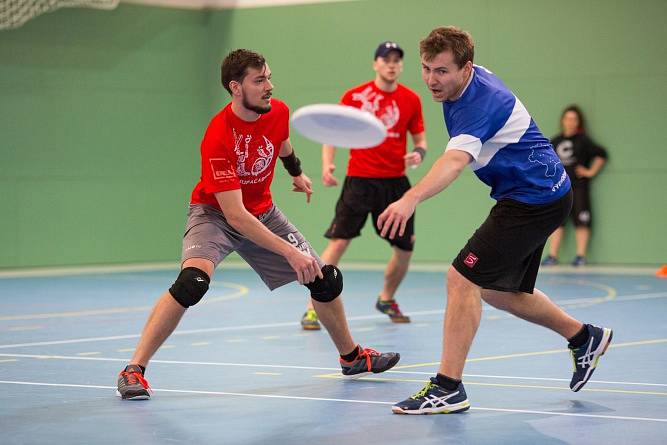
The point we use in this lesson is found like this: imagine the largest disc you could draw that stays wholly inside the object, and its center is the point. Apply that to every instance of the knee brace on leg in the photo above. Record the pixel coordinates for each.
(190, 286)
(328, 288)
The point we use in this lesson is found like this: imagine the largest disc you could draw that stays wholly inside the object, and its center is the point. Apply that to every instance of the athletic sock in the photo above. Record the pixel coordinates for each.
(580, 338)
(143, 368)
(448, 383)
(352, 355)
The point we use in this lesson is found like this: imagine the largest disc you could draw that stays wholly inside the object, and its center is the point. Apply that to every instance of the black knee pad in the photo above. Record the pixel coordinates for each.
(328, 288)
(190, 286)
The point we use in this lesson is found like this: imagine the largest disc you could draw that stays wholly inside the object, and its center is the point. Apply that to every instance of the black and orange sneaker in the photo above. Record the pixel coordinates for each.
(369, 361)
(391, 308)
(132, 385)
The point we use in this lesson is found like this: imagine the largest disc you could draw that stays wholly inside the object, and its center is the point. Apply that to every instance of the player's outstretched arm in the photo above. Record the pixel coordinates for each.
(444, 171)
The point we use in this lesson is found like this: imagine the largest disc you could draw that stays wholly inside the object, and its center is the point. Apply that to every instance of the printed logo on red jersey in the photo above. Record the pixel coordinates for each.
(254, 157)
(470, 260)
(370, 101)
(222, 169)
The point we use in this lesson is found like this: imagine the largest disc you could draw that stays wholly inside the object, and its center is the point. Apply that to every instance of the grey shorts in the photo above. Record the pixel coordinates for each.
(208, 235)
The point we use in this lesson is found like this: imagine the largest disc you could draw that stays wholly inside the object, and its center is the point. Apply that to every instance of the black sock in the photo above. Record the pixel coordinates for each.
(448, 383)
(352, 355)
(580, 338)
(143, 368)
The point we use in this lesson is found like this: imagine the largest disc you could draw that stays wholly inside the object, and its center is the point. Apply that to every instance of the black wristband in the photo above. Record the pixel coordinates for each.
(292, 164)
(421, 151)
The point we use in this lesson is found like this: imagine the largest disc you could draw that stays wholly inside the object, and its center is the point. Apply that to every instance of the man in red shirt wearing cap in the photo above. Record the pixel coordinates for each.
(231, 210)
(376, 177)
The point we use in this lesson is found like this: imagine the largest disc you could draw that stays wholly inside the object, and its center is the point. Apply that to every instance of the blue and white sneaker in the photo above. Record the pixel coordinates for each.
(434, 399)
(585, 358)
(579, 261)
(550, 261)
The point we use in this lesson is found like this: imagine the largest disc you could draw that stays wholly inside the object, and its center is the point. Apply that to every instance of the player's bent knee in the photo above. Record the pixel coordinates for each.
(328, 288)
(190, 286)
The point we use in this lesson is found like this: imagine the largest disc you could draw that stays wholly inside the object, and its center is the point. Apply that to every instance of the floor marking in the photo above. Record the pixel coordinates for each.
(322, 399)
(200, 343)
(504, 385)
(172, 362)
(270, 337)
(530, 354)
(194, 331)
(240, 291)
(585, 302)
(292, 324)
(86, 354)
(365, 329)
(392, 371)
(9, 360)
(235, 340)
(25, 328)
(267, 373)
(129, 349)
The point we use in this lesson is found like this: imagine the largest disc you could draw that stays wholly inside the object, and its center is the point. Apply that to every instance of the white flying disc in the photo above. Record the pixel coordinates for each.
(339, 125)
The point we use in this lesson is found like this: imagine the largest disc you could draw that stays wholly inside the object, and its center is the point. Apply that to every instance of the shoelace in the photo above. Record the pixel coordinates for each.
(394, 307)
(133, 377)
(367, 353)
(422, 392)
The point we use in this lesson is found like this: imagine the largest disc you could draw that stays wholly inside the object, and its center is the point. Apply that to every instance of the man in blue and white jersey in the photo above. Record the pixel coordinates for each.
(491, 131)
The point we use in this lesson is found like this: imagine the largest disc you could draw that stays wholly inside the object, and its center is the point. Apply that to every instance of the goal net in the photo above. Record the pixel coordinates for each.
(14, 13)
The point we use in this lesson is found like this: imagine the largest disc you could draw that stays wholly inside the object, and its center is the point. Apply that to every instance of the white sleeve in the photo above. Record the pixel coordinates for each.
(465, 142)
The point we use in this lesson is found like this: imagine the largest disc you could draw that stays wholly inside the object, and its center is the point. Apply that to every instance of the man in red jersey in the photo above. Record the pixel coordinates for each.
(231, 210)
(376, 177)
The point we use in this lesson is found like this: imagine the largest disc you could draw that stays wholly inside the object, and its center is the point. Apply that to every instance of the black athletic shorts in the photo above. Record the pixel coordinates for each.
(361, 196)
(581, 206)
(504, 253)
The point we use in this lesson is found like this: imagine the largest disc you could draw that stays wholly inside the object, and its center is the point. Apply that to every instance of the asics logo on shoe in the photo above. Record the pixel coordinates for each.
(438, 402)
(587, 359)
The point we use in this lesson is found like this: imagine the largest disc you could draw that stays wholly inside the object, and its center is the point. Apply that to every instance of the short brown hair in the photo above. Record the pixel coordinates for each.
(235, 66)
(446, 38)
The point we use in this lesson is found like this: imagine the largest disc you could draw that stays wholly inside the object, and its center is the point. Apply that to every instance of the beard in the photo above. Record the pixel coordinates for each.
(256, 108)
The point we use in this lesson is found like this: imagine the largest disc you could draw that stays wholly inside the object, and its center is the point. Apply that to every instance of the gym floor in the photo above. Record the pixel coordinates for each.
(240, 370)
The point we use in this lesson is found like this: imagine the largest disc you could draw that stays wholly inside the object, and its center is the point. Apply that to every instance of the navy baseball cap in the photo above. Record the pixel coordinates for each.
(385, 48)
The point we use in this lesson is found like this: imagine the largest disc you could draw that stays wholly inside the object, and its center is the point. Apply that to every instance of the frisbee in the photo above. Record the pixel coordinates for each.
(339, 125)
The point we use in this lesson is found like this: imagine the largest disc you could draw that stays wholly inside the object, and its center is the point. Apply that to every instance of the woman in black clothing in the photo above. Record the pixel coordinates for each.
(583, 159)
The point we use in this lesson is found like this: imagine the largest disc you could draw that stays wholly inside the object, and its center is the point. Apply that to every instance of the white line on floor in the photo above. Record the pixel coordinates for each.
(322, 399)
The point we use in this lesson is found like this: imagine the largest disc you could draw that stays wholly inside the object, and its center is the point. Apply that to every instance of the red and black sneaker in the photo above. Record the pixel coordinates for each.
(369, 361)
(132, 385)
(391, 308)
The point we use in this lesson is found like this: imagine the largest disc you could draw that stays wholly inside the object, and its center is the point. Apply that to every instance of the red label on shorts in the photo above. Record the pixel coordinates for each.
(470, 260)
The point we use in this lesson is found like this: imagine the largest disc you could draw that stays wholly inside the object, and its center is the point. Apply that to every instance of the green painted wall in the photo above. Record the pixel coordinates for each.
(101, 114)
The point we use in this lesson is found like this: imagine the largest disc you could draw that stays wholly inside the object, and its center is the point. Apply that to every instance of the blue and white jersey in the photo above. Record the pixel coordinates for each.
(509, 152)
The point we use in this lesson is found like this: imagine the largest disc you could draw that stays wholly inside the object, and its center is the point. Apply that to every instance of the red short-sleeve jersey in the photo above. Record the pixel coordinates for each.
(401, 112)
(236, 154)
